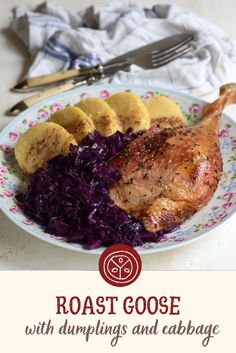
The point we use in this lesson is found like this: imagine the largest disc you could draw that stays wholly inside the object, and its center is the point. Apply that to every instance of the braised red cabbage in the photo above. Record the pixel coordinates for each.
(70, 197)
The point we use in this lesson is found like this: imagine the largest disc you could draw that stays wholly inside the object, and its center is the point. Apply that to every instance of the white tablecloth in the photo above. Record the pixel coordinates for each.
(20, 251)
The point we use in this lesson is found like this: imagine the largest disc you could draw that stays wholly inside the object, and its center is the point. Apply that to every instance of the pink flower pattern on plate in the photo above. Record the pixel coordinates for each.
(227, 196)
(13, 136)
(8, 193)
(2, 171)
(208, 224)
(164, 239)
(104, 94)
(43, 114)
(28, 222)
(227, 205)
(84, 96)
(148, 95)
(145, 246)
(6, 148)
(194, 108)
(14, 210)
(233, 142)
(2, 181)
(32, 123)
(221, 215)
(223, 133)
(55, 107)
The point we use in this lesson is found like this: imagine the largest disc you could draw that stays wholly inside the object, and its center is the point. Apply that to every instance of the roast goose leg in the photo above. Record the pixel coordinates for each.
(168, 174)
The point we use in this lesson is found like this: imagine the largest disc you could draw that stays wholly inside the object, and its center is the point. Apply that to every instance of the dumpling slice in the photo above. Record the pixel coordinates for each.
(161, 107)
(41, 143)
(130, 110)
(104, 117)
(75, 121)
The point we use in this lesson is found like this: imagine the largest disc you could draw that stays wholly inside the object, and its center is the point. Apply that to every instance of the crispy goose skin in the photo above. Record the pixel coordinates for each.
(168, 174)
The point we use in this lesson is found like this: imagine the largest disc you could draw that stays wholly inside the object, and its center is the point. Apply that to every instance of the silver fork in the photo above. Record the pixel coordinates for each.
(148, 60)
(157, 59)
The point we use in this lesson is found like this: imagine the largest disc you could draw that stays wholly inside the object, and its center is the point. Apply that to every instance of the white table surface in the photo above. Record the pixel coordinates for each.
(20, 251)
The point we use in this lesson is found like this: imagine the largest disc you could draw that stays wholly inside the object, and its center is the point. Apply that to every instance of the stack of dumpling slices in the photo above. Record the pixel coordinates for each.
(119, 112)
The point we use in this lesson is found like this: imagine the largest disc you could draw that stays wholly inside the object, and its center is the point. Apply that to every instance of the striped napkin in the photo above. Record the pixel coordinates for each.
(59, 39)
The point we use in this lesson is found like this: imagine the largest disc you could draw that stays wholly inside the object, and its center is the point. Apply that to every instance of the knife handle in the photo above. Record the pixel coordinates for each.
(45, 79)
(51, 78)
(29, 101)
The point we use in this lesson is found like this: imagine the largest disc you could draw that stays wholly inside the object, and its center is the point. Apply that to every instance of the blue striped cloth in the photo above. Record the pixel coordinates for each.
(58, 39)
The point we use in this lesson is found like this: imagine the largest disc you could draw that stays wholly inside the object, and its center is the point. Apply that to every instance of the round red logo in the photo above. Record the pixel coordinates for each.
(120, 265)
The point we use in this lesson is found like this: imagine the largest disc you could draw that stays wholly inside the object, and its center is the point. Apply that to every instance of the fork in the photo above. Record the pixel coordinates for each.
(157, 59)
(150, 60)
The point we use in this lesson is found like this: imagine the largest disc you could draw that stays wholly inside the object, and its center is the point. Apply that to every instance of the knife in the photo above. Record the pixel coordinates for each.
(158, 46)
(36, 98)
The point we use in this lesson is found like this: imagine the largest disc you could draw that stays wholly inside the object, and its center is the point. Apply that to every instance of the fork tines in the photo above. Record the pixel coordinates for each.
(160, 58)
(163, 58)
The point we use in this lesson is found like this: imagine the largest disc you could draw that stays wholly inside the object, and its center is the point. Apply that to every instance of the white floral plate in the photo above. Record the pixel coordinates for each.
(220, 208)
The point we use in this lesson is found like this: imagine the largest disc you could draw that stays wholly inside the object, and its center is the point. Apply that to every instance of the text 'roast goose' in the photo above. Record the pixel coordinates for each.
(168, 174)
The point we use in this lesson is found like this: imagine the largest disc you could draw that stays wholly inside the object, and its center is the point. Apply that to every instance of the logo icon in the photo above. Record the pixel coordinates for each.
(120, 265)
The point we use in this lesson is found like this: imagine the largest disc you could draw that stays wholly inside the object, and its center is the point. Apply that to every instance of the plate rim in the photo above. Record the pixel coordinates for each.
(123, 86)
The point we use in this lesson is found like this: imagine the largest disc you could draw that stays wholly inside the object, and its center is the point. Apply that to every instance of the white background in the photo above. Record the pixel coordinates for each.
(20, 251)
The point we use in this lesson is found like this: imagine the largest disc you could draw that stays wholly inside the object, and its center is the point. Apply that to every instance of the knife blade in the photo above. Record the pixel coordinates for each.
(161, 45)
